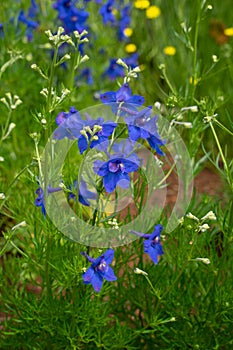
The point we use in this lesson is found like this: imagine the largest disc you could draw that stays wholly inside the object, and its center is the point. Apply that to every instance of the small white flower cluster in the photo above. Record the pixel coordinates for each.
(201, 225)
(92, 133)
(113, 222)
(11, 102)
(129, 73)
(178, 118)
(56, 100)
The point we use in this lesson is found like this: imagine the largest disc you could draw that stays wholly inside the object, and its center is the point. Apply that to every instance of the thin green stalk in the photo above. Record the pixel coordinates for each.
(167, 175)
(222, 155)
(152, 287)
(223, 127)
(6, 126)
(75, 64)
(51, 79)
(168, 81)
(195, 42)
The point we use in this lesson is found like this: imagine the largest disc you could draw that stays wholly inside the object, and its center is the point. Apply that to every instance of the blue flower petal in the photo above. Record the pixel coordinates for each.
(97, 281)
(136, 99)
(82, 144)
(124, 93)
(108, 128)
(88, 275)
(109, 275)
(134, 132)
(108, 97)
(108, 256)
(110, 182)
(131, 165)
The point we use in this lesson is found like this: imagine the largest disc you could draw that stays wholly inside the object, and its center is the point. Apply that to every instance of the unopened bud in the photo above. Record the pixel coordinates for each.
(140, 272)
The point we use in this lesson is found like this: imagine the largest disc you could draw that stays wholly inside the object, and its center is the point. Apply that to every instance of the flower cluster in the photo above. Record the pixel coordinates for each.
(100, 269)
(119, 160)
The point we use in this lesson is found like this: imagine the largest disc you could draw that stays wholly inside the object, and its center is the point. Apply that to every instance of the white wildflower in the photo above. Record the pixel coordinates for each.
(21, 224)
(140, 272)
(209, 216)
(204, 260)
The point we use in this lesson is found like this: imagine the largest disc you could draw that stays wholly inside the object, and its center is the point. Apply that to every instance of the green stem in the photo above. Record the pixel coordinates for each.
(51, 78)
(222, 155)
(195, 50)
(152, 287)
(75, 64)
(223, 127)
(6, 126)
(168, 81)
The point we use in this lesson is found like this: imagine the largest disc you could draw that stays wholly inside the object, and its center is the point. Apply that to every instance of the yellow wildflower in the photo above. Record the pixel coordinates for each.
(142, 4)
(194, 81)
(169, 50)
(153, 12)
(130, 48)
(228, 31)
(128, 32)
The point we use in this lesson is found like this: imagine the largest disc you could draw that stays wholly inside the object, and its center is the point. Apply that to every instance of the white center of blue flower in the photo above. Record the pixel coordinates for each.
(116, 166)
(102, 266)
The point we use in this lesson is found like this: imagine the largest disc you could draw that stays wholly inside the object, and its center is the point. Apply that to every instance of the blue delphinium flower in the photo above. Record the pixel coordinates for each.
(39, 201)
(72, 126)
(105, 129)
(83, 195)
(71, 17)
(114, 70)
(68, 127)
(142, 125)
(99, 270)
(152, 245)
(28, 19)
(122, 97)
(115, 171)
(106, 12)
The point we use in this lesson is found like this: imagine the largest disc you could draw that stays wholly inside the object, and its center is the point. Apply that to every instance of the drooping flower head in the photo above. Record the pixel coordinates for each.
(152, 245)
(99, 270)
(142, 125)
